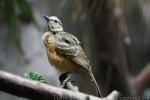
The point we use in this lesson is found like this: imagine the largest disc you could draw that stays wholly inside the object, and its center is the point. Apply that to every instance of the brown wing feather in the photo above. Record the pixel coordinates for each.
(69, 46)
(81, 60)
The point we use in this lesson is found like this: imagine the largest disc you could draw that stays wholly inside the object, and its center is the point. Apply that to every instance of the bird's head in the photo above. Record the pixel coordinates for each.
(54, 24)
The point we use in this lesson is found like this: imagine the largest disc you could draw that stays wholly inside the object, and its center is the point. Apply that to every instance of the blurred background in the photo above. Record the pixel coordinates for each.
(115, 35)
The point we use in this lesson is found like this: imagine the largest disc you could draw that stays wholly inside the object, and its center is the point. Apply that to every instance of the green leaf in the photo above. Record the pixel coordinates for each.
(8, 11)
(35, 76)
(26, 11)
(11, 19)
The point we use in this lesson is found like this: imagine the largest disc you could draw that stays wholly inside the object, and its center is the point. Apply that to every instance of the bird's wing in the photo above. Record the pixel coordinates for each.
(69, 46)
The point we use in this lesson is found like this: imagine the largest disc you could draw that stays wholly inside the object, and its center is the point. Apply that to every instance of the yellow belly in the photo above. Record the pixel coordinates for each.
(61, 63)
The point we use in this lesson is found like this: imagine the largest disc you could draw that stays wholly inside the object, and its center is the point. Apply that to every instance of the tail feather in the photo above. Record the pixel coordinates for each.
(92, 78)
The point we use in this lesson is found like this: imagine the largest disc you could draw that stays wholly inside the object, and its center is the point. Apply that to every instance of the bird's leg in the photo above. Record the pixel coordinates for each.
(65, 82)
(64, 78)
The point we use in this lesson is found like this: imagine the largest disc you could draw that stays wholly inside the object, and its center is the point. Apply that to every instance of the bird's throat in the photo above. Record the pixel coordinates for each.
(49, 41)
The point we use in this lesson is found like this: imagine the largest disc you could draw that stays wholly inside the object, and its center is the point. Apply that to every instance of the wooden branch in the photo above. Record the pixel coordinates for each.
(34, 90)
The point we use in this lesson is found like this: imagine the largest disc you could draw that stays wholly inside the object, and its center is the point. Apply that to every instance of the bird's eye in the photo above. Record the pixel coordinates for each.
(55, 21)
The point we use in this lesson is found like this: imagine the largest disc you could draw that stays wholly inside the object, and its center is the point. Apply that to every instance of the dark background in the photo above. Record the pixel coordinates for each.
(114, 34)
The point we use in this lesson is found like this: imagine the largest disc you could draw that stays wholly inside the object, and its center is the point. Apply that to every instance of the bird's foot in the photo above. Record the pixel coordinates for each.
(64, 78)
(66, 82)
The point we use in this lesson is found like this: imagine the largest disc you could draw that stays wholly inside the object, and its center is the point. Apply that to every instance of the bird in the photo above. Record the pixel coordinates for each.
(64, 51)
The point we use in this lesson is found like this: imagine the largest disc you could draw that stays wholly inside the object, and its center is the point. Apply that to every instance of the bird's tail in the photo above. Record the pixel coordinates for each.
(99, 92)
(92, 79)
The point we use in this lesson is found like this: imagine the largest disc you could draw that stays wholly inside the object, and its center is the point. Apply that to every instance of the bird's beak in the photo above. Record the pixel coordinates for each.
(46, 18)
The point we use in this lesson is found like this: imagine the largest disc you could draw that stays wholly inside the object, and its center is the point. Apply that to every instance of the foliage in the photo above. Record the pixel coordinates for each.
(11, 11)
(35, 76)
